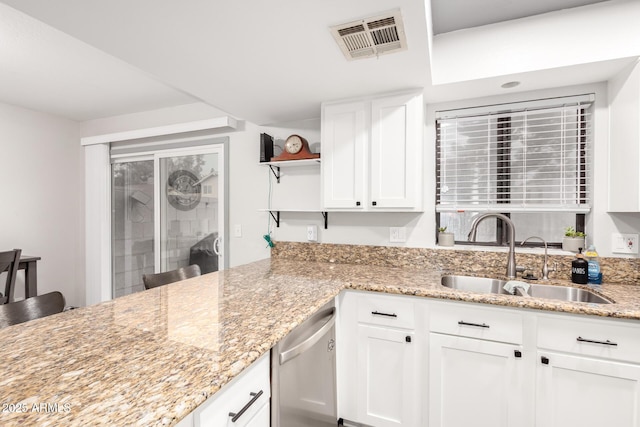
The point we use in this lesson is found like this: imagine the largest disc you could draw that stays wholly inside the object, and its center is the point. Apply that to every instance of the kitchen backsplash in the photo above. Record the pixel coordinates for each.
(486, 263)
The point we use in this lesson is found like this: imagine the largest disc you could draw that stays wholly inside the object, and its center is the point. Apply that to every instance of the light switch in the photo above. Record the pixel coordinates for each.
(237, 230)
(397, 234)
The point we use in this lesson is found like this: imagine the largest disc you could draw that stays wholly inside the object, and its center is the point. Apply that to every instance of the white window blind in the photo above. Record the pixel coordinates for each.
(531, 159)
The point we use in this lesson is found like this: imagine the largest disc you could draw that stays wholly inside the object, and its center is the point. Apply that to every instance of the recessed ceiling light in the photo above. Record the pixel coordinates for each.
(509, 85)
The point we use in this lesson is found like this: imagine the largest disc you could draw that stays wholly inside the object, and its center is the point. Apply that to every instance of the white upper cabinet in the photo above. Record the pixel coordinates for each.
(624, 143)
(344, 148)
(372, 154)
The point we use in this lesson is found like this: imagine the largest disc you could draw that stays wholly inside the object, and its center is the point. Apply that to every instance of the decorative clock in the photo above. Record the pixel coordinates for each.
(296, 148)
(183, 190)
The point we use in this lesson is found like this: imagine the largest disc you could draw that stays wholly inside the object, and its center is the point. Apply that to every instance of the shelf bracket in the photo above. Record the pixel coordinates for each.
(275, 217)
(325, 215)
(275, 172)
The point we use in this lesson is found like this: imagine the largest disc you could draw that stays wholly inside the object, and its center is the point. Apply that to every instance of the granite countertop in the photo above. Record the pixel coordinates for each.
(151, 358)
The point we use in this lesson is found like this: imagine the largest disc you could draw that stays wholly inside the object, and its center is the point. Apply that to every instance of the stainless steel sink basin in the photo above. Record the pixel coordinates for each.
(483, 285)
(566, 293)
(487, 285)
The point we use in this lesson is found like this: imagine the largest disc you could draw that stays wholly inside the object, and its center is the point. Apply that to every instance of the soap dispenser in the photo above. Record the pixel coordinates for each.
(579, 269)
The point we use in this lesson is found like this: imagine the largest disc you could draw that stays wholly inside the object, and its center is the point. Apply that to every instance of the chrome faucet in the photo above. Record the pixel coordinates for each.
(511, 260)
(545, 266)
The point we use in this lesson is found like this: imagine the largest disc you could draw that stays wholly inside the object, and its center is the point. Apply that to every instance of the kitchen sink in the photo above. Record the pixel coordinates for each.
(487, 285)
(483, 285)
(566, 293)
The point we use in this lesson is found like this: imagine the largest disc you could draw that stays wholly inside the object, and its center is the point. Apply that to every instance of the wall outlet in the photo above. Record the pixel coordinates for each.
(237, 230)
(312, 233)
(397, 234)
(624, 243)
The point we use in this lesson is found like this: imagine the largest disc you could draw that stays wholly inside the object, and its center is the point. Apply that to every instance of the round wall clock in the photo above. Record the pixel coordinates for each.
(183, 190)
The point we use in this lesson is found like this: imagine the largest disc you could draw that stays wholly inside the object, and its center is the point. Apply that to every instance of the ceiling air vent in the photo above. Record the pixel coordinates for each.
(372, 36)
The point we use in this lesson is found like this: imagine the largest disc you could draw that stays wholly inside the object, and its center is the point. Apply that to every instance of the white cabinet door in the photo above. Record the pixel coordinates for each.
(344, 141)
(245, 396)
(576, 391)
(387, 377)
(476, 383)
(396, 142)
(372, 154)
(262, 418)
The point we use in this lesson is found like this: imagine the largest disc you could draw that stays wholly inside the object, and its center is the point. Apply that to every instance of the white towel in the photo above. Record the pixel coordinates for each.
(511, 286)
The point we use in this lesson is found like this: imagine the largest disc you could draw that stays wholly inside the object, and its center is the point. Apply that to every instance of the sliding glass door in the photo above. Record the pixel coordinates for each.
(167, 212)
(190, 209)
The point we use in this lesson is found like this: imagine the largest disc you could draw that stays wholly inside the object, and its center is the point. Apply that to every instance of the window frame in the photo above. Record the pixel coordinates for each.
(502, 174)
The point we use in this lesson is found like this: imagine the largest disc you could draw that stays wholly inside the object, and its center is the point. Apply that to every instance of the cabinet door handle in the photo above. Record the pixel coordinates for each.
(374, 203)
(377, 313)
(357, 203)
(255, 397)
(477, 325)
(544, 360)
(607, 342)
(517, 353)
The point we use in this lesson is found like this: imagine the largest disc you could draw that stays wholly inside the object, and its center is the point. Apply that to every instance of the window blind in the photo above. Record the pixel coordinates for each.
(532, 159)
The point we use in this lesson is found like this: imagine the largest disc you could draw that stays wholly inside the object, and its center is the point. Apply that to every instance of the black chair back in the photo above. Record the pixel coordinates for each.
(159, 279)
(9, 261)
(31, 308)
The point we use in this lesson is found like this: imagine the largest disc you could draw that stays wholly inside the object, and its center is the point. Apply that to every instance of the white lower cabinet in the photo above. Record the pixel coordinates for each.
(474, 382)
(379, 355)
(577, 391)
(588, 372)
(387, 382)
(242, 403)
(420, 362)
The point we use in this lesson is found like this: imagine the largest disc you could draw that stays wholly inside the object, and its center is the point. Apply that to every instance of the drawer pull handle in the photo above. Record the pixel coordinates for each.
(377, 313)
(607, 342)
(255, 397)
(477, 325)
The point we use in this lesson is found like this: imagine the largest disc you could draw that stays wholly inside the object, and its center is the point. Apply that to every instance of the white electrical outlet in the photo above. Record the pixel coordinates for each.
(312, 233)
(237, 230)
(397, 234)
(624, 243)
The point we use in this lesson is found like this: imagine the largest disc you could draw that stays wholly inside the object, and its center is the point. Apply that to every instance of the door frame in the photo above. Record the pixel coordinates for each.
(97, 196)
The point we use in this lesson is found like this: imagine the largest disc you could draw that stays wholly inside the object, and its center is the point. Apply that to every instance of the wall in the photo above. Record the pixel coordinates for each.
(373, 228)
(42, 198)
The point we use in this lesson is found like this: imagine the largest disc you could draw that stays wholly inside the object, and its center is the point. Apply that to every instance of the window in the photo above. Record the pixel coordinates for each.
(528, 160)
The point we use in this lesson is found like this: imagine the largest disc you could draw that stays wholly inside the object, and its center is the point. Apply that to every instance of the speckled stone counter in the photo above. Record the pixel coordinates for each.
(151, 358)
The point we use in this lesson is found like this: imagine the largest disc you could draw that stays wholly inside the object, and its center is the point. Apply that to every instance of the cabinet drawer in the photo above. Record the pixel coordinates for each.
(600, 338)
(386, 310)
(492, 324)
(235, 396)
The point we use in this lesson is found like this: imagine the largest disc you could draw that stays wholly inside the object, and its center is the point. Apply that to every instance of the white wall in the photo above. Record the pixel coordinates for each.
(373, 228)
(42, 200)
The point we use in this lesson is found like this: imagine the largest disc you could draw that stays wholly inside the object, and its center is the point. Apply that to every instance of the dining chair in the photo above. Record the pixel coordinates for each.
(31, 308)
(159, 279)
(9, 261)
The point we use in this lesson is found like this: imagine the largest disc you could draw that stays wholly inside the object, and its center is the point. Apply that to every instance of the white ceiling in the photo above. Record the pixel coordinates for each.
(267, 62)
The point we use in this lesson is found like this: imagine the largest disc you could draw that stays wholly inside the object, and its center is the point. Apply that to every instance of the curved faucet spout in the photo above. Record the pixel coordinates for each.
(511, 260)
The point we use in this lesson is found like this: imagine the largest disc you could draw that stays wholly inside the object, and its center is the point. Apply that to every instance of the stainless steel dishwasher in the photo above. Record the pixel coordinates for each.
(303, 374)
